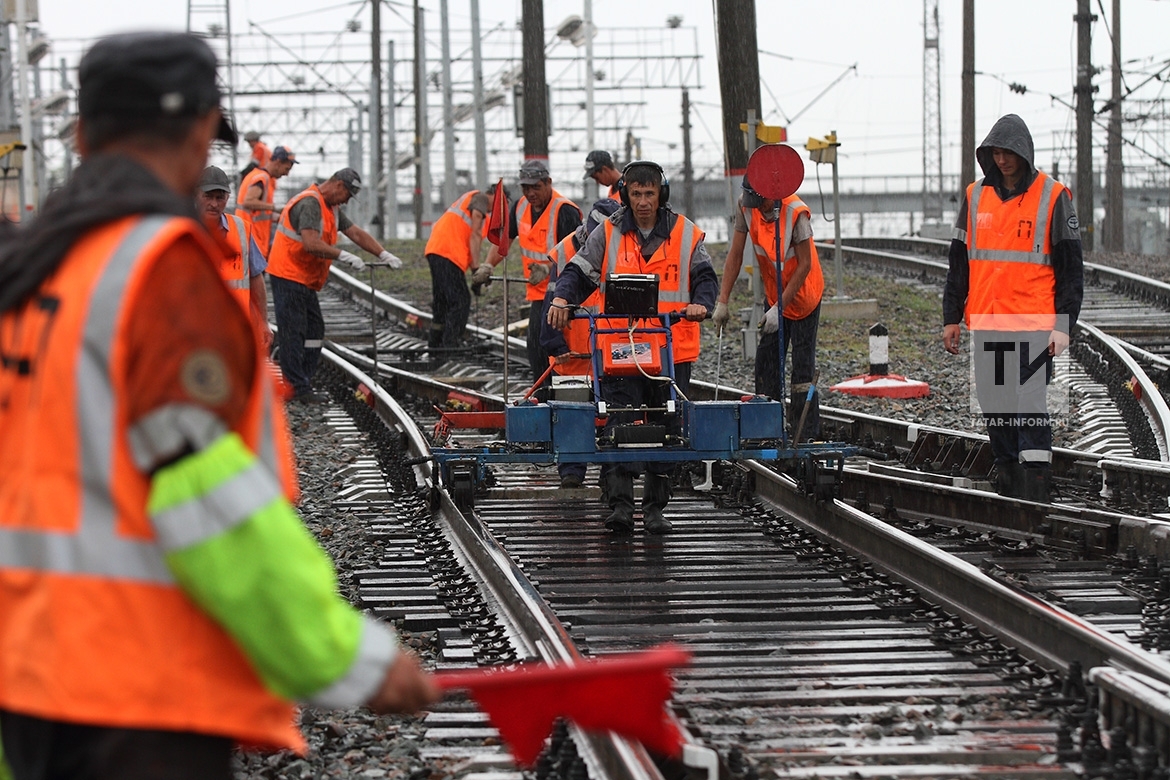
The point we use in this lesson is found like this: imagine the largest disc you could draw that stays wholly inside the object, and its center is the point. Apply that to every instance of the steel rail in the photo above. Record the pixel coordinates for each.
(1042, 632)
(533, 623)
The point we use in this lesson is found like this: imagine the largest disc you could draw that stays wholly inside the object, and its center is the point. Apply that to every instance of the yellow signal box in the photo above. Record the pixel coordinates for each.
(767, 134)
(823, 150)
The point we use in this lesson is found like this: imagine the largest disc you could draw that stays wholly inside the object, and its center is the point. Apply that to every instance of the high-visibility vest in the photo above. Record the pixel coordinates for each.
(576, 334)
(289, 259)
(261, 154)
(763, 233)
(93, 627)
(233, 264)
(671, 263)
(451, 233)
(261, 221)
(537, 240)
(1009, 253)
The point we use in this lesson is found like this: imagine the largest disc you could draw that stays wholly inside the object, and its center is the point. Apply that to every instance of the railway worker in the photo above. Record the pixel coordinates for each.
(160, 600)
(260, 152)
(569, 351)
(800, 303)
(1015, 265)
(302, 252)
(452, 250)
(242, 264)
(599, 167)
(256, 198)
(541, 219)
(644, 236)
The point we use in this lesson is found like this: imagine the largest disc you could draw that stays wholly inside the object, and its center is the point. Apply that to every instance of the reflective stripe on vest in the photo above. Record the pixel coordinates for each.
(576, 333)
(763, 234)
(1009, 257)
(1038, 255)
(288, 259)
(532, 249)
(685, 235)
(451, 234)
(76, 537)
(96, 547)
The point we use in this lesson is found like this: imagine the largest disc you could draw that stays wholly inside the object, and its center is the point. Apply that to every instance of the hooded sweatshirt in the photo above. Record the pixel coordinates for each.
(1012, 134)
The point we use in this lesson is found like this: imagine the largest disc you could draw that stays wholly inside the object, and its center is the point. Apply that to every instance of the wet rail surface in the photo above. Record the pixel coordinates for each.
(801, 651)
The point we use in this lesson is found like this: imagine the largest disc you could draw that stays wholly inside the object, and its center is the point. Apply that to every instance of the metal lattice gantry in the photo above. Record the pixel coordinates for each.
(212, 21)
(932, 178)
(310, 90)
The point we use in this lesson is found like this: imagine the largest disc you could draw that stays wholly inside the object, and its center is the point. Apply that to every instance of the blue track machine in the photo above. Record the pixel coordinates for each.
(631, 337)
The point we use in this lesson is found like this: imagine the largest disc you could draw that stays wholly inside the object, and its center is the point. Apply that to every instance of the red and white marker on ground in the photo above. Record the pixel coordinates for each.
(879, 381)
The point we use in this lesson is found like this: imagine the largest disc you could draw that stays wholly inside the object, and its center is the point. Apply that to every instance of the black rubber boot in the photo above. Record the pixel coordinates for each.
(619, 491)
(1009, 479)
(1036, 484)
(655, 496)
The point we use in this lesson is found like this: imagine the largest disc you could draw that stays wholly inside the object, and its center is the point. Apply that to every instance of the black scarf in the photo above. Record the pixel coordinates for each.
(103, 188)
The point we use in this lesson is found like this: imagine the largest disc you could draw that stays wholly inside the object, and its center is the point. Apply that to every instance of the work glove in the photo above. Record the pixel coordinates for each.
(482, 276)
(390, 259)
(537, 273)
(721, 316)
(771, 321)
(355, 262)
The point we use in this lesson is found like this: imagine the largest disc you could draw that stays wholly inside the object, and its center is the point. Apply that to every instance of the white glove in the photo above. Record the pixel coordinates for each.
(354, 261)
(771, 321)
(537, 273)
(390, 259)
(482, 275)
(721, 316)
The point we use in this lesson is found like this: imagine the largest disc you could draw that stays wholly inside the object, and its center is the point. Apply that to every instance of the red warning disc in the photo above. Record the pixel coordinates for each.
(775, 171)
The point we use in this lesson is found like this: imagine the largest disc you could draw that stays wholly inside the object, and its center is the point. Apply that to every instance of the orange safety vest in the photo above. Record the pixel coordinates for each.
(576, 334)
(233, 265)
(763, 235)
(93, 626)
(671, 263)
(451, 233)
(538, 240)
(288, 258)
(261, 154)
(261, 221)
(1009, 253)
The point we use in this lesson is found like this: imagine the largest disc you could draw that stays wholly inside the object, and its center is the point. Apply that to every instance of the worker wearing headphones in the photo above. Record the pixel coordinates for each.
(643, 237)
(799, 304)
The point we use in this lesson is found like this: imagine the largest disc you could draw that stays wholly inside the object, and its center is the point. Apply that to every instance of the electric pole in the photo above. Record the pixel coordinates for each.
(1114, 226)
(448, 109)
(391, 129)
(739, 79)
(481, 174)
(967, 130)
(932, 195)
(1084, 91)
(536, 119)
(688, 173)
(422, 167)
(376, 118)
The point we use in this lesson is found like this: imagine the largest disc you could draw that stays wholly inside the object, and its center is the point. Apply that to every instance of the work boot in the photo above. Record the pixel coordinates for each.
(1009, 479)
(619, 491)
(655, 496)
(1036, 484)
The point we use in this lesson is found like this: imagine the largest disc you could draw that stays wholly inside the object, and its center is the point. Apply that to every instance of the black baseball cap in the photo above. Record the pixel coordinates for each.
(351, 179)
(533, 171)
(284, 154)
(150, 74)
(595, 161)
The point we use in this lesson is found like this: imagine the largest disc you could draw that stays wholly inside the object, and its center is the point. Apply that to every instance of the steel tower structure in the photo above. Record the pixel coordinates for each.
(932, 178)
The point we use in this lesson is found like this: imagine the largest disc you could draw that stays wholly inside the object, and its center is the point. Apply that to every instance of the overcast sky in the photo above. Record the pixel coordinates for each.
(877, 111)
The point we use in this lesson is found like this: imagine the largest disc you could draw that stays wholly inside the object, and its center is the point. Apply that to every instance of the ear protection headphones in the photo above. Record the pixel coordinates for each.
(664, 184)
(751, 198)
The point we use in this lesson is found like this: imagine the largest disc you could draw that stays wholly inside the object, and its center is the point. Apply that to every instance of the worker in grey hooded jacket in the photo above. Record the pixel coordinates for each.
(1016, 276)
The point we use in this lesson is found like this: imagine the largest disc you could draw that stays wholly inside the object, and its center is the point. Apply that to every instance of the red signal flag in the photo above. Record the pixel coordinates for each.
(497, 228)
(623, 693)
